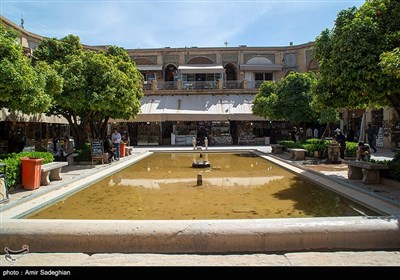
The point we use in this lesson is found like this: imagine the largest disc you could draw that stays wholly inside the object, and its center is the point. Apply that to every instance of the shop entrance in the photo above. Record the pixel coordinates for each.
(148, 133)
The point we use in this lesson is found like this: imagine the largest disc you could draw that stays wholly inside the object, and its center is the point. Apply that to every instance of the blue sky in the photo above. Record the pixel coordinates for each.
(161, 23)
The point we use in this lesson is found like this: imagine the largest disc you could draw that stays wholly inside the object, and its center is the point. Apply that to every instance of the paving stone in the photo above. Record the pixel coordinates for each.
(368, 258)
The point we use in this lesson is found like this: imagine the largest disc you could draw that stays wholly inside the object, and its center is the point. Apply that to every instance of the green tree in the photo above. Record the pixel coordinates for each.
(24, 87)
(264, 102)
(290, 99)
(349, 56)
(390, 63)
(97, 85)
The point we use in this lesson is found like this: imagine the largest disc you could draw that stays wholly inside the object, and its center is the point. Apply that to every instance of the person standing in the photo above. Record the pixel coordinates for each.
(116, 140)
(341, 139)
(316, 132)
(371, 137)
(309, 133)
(293, 134)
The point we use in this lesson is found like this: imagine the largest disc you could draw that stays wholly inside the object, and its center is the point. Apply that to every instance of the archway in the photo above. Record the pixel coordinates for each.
(170, 72)
(230, 72)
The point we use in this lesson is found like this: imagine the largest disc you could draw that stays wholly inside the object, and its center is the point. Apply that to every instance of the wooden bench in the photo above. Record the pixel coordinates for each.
(368, 172)
(298, 154)
(51, 171)
(277, 148)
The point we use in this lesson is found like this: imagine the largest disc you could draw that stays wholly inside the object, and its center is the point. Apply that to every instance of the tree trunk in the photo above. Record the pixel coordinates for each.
(395, 101)
(327, 128)
(103, 128)
(77, 131)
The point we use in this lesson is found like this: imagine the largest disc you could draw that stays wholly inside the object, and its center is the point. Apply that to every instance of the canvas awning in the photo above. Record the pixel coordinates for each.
(201, 69)
(196, 108)
(149, 67)
(261, 67)
(6, 115)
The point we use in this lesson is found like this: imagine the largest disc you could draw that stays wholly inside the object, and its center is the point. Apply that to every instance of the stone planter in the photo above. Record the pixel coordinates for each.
(317, 154)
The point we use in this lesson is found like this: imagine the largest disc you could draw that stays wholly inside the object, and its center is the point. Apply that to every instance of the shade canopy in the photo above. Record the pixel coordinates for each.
(149, 67)
(196, 108)
(201, 69)
(16, 116)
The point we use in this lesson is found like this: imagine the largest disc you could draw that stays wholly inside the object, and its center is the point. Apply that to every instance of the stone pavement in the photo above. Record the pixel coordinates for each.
(370, 258)
(388, 189)
(342, 258)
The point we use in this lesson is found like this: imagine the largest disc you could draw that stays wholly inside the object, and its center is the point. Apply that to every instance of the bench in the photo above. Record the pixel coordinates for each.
(368, 172)
(277, 148)
(298, 154)
(71, 158)
(51, 171)
(99, 158)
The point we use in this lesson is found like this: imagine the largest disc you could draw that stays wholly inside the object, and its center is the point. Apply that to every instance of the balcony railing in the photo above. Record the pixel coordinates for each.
(233, 85)
(200, 86)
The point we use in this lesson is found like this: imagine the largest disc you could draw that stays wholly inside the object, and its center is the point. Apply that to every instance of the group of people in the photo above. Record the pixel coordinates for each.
(112, 144)
(363, 149)
(298, 134)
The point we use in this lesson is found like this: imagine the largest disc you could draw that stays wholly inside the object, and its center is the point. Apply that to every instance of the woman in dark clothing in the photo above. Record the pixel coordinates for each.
(341, 139)
(108, 148)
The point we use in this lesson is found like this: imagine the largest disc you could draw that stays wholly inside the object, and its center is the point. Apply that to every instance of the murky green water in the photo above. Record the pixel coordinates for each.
(164, 187)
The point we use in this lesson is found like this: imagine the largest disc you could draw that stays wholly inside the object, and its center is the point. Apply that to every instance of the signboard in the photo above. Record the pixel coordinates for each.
(379, 139)
(97, 148)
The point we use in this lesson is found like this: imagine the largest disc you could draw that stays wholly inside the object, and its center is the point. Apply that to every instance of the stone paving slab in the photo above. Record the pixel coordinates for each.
(371, 258)
(368, 258)
(45, 259)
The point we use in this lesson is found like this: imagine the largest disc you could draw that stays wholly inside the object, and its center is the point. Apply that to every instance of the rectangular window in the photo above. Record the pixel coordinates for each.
(259, 76)
(263, 76)
(269, 77)
(210, 77)
(150, 76)
(190, 77)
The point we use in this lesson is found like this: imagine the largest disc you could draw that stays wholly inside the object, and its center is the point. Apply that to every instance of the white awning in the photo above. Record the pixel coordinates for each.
(6, 115)
(261, 67)
(196, 108)
(201, 68)
(149, 67)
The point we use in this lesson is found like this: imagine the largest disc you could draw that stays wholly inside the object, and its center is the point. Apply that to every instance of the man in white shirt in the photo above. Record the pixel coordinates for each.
(116, 140)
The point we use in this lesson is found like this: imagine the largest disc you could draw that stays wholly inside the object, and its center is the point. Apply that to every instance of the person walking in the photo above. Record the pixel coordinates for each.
(371, 137)
(116, 140)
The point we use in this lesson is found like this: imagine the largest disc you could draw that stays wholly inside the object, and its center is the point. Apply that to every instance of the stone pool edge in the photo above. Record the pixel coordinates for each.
(201, 236)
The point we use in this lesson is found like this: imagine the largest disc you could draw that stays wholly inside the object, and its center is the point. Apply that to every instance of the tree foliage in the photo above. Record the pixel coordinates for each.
(390, 63)
(289, 99)
(354, 57)
(97, 85)
(24, 87)
(264, 102)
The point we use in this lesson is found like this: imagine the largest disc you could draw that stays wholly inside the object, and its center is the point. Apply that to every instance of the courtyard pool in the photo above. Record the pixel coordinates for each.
(164, 186)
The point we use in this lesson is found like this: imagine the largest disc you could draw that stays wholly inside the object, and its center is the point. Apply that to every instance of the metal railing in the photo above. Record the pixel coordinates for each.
(201, 85)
